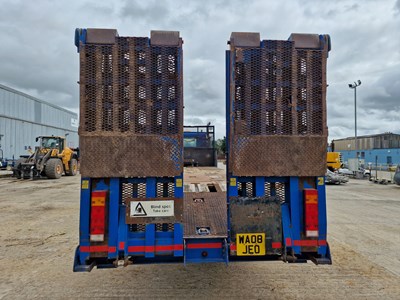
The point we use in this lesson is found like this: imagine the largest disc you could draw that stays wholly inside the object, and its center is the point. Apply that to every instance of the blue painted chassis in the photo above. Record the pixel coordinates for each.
(122, 243)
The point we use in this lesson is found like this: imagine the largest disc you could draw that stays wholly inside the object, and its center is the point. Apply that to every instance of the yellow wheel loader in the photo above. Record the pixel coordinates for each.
(50, 159)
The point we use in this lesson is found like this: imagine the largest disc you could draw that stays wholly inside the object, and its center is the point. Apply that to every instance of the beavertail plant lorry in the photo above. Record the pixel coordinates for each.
(133, 205)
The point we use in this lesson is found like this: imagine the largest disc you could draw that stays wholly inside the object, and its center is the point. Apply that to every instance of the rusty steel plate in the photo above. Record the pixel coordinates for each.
(205, 210)
(278, 156)
(130, 156)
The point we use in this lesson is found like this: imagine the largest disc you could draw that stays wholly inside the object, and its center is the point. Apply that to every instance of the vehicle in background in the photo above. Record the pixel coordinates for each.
(51, 158)
(3, 162)
(335, 178)
(334, 160)
(347, 172)
(396, 177)
(366, 173)
(199, 146)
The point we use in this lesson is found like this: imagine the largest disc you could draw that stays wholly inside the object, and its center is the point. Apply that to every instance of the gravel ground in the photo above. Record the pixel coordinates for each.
(39, 222)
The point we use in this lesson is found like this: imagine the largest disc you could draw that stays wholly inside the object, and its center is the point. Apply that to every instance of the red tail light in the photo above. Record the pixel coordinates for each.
(311, 212)
(98, 216)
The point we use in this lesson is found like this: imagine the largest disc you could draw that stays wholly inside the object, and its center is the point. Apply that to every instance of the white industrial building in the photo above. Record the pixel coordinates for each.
(23, 118)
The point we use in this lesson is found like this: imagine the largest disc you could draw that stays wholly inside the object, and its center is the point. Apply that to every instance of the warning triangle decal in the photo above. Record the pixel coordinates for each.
(139, 211)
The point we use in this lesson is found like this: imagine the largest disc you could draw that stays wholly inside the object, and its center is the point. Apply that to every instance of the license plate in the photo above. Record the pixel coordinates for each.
(250, 244)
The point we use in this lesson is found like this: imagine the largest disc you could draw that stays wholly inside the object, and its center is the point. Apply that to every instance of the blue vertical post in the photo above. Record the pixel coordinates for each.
(232, 186)
(231, 181)
(178, 227)
(113, 216)
(287, 233)
(84, 217)
(150, 240)
(122, 230)
(151, 187)
(178, 239)
(260, 186)
(178, 191)
(150, 233)
(295, 209)
(322, 219)
(227, 106)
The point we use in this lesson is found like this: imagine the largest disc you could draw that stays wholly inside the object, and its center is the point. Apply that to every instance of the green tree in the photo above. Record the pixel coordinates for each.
(220, 145)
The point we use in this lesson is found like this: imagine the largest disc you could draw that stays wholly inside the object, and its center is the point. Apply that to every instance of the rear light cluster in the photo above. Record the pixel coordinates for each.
(98, 216)
(311, 212)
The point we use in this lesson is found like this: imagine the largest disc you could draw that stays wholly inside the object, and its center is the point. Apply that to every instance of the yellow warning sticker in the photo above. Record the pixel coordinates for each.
(233, 181)
(178, 182)
(85, 184)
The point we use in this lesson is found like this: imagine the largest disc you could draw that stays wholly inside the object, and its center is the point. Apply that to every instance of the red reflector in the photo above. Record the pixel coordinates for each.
(121, 245)
(93, 249)
(205, 245)
(309, 243)
(311, 212)
(276, 245)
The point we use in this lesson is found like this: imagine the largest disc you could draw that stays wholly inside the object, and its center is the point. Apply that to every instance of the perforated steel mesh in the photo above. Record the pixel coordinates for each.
(245, 189)
(133, 190)
(277, 110)
(165, 189)
(131, 109)
(275, 189)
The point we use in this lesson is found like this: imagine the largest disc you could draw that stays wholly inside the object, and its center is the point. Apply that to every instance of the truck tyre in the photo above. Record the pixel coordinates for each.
(73, 167)
(17, 168)
(54, 168)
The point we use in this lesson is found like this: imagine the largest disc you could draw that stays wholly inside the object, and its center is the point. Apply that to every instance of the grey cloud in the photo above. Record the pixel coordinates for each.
(385, 94)
(355, 7)
(193, 121)
(98, 8)
(149, 11)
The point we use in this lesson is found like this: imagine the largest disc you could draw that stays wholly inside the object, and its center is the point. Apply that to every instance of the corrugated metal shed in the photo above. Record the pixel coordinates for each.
(368, 142)
(23, 118)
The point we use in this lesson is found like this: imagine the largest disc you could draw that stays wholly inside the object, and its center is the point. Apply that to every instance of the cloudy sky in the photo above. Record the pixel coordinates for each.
(38, 56)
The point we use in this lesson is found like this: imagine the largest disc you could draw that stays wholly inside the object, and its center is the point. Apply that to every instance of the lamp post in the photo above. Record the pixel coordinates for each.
(354, 86)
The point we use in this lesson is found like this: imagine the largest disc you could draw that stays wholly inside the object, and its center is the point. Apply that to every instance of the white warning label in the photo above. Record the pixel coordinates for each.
(164, 208)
